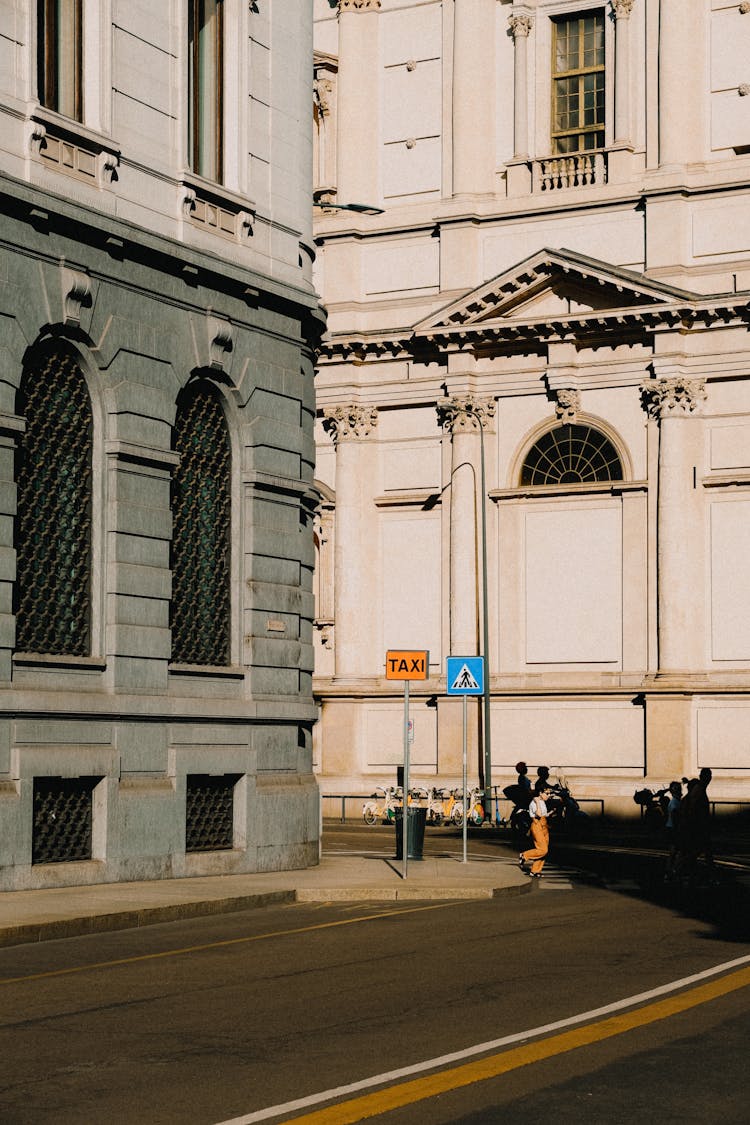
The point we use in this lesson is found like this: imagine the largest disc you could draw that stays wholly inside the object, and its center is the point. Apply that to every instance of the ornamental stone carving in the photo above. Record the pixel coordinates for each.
(568, 405)
(520, 25)
(358, 5)
(348, 422)
(76, 294)
(674, 397)
(744, 7)
(464, 414)
(621, 9)
(323, 95)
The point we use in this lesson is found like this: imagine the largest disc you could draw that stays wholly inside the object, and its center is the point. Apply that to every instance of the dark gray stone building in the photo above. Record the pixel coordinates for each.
(157, 327)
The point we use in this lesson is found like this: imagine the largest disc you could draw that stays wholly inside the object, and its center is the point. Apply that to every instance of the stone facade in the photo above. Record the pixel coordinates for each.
(177, 303)
(584, 278)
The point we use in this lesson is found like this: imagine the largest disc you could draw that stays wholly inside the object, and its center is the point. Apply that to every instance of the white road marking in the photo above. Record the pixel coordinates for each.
(482, 1048)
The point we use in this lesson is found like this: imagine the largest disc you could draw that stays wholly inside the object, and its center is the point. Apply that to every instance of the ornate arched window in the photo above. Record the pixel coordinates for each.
(571, 454)
(201, 504)
(53, 521)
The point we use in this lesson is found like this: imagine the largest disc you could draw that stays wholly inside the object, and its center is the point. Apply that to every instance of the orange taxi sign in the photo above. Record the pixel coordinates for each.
(407, 664)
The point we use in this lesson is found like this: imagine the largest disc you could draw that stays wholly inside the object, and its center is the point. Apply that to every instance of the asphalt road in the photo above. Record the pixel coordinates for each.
(208, 1021)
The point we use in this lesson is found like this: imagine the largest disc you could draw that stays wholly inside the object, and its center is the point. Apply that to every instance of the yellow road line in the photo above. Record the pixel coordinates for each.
(407, 1093)
(228, 942)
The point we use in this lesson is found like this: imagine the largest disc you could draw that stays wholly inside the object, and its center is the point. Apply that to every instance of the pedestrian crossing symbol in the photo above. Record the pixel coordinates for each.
(465, 675)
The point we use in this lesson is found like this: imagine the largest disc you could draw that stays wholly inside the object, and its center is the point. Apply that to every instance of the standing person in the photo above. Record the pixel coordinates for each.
(695, 831)
(539, 832)
(672, 828)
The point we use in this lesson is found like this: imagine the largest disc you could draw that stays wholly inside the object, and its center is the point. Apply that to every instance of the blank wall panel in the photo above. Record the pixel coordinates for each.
(730, 580)
(574, 586)
(411, 584)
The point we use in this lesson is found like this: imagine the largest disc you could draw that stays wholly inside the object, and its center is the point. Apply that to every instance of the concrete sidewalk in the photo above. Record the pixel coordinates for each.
(44, 915)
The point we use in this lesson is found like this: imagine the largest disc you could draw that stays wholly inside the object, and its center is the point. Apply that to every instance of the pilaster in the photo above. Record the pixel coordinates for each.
(520, 23)
(349, 426)
(464, 418)
(358, 100)
(675, 402)
(473, 97)
(683, 81)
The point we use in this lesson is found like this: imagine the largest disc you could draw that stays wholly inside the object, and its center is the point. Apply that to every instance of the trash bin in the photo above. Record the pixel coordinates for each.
(415, 822)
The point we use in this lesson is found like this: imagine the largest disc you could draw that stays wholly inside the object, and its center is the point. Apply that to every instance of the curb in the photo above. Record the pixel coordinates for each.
(134, 919)
(58, 928)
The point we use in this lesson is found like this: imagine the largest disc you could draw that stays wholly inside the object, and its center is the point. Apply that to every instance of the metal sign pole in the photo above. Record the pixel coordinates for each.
(466, 806)
(405, 804)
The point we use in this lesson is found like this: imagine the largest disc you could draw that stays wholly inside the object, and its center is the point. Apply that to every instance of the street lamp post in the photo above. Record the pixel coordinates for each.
(485, 636)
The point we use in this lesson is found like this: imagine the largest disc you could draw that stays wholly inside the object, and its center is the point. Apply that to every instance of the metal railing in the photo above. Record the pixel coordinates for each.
(498, 802)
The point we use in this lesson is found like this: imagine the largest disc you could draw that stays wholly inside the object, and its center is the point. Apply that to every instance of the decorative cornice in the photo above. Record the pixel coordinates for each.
(568, 405)
(345, 423)
(673, 397)
(465, 413)
(520, 25)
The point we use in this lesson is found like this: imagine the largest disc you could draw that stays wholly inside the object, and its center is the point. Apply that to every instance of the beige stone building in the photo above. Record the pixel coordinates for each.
(536, 372)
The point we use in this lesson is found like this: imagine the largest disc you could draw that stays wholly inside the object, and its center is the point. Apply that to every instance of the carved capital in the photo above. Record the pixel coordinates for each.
(348, 422)
(323, 95)
(358, 5)
(621, 9)
(568, 405)
(463, 414)
(673, 397)
(520, 25)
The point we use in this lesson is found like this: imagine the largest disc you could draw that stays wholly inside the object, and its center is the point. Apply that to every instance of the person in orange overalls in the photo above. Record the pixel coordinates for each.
(539, 832)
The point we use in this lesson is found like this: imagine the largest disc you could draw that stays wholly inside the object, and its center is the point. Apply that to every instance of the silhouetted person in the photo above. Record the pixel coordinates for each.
(695, 824)
(672, 828)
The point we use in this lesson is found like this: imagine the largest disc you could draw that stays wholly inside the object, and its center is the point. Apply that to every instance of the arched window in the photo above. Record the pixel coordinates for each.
(201, 502)
(571, 455)
(53, 522)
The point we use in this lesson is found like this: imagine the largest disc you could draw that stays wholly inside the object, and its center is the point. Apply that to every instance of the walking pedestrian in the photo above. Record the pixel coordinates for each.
(539, 832)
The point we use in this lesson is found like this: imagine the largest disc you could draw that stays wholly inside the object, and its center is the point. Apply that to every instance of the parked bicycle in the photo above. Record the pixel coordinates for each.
(476, 807)
(382, 807)
(443, 807)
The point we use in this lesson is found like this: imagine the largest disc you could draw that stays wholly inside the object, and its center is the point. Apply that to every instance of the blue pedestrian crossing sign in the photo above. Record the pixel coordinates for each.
(465, 675)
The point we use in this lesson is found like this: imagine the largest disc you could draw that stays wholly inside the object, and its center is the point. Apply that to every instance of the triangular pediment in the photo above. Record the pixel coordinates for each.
(553, 285)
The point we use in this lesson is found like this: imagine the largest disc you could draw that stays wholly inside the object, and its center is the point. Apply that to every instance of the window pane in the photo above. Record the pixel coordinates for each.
(578, 98)
(205, 83)
(571, 455)
(53, 524)
(60, 58)
(201, 530)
